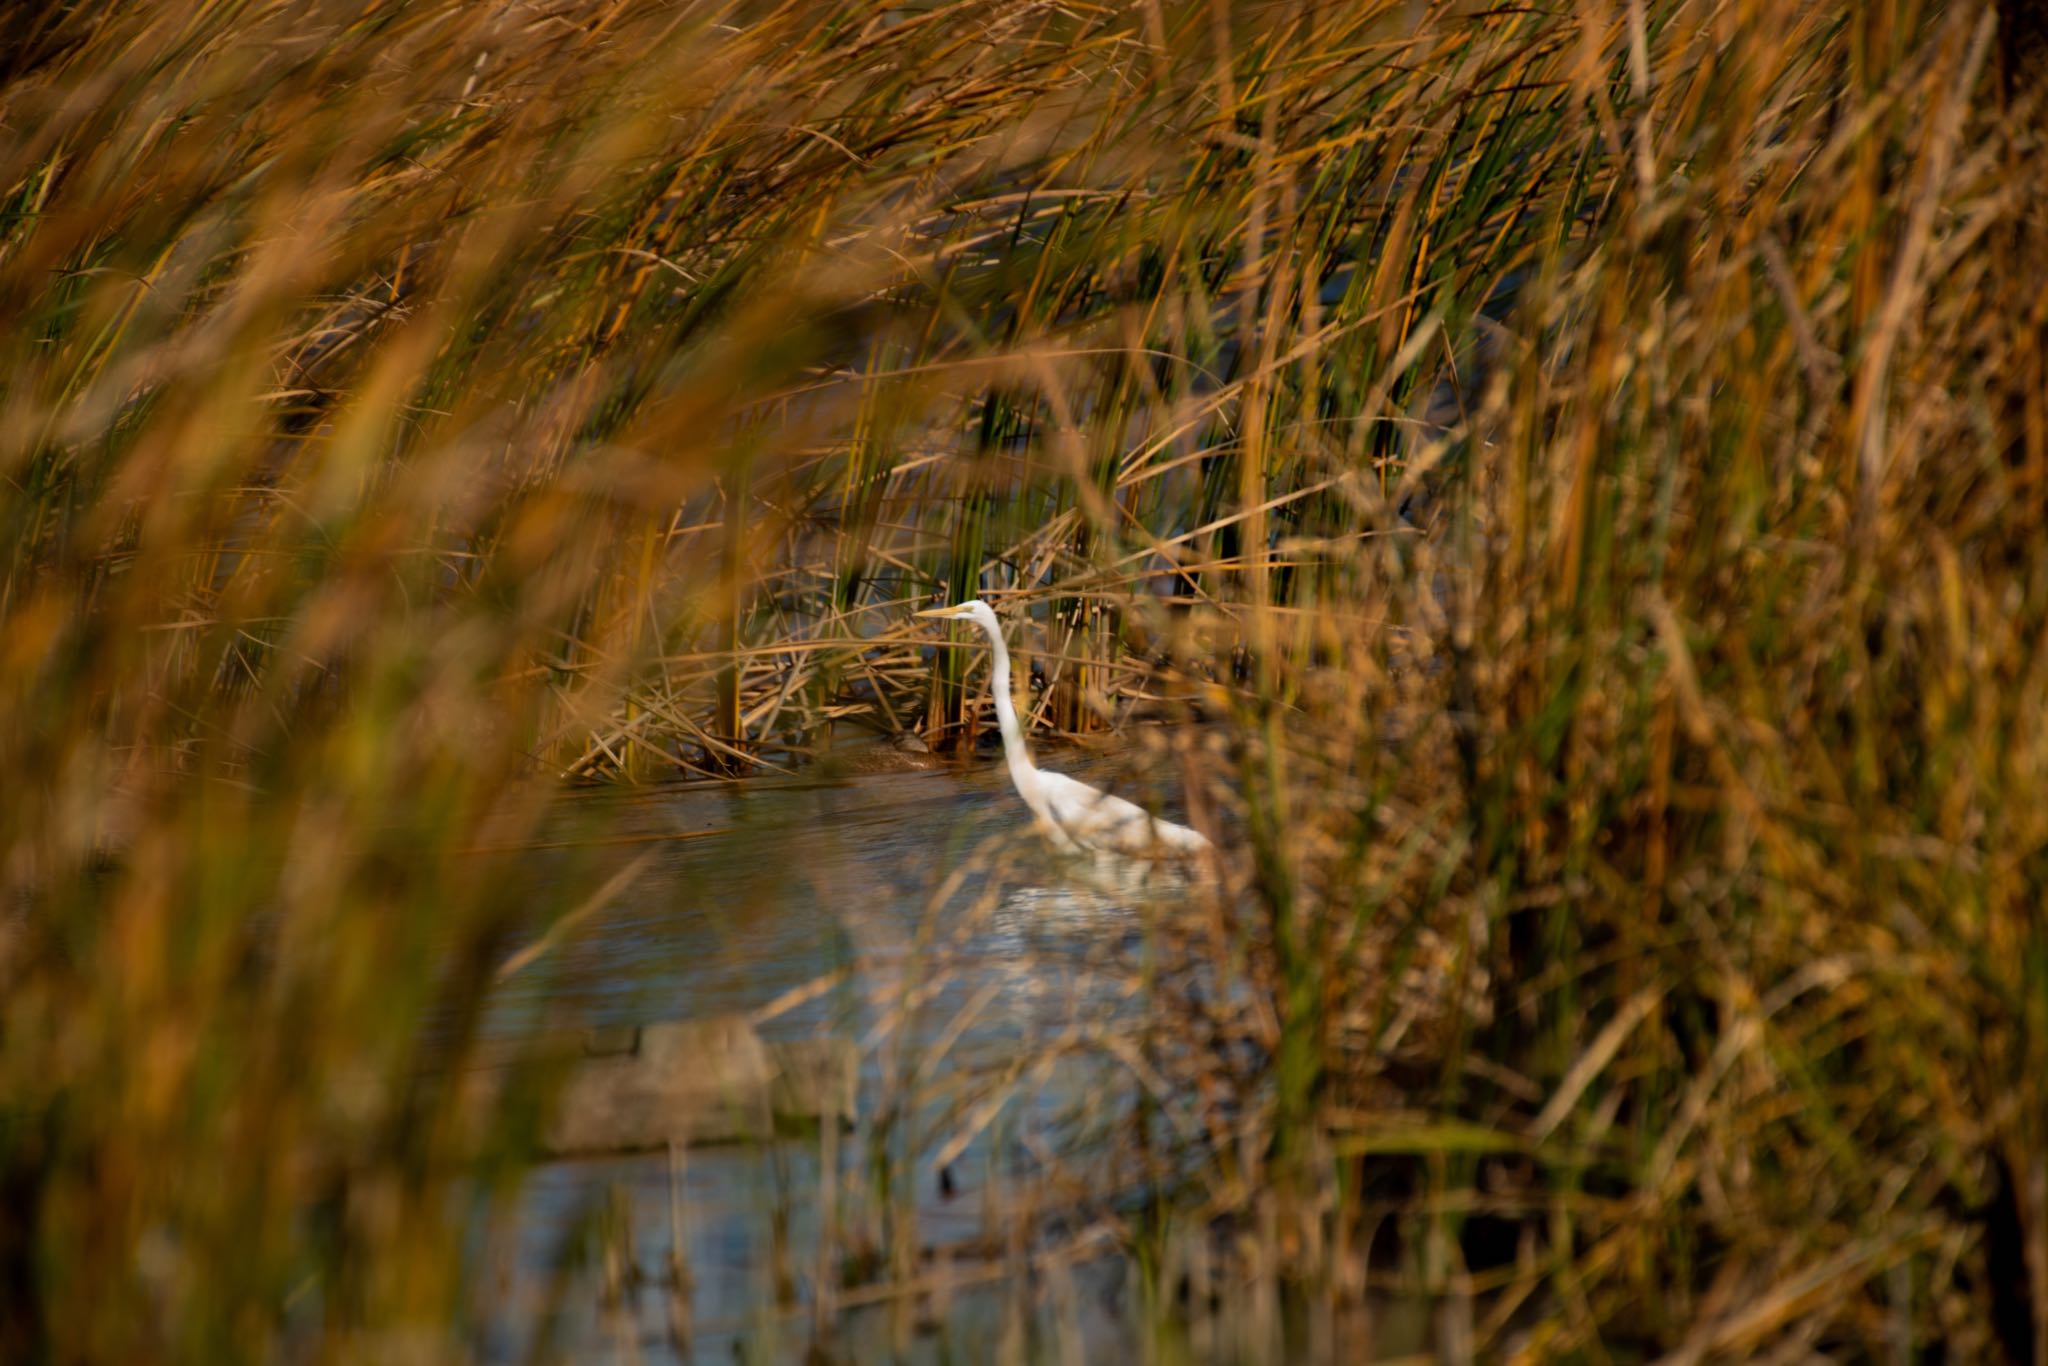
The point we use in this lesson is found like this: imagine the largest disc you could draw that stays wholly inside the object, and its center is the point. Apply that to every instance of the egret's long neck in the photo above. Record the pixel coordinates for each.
(1006, 709)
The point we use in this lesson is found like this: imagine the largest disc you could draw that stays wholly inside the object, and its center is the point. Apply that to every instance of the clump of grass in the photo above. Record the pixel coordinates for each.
(1590, 461)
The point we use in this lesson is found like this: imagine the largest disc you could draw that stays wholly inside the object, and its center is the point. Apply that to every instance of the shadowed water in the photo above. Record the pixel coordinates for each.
(980, 978)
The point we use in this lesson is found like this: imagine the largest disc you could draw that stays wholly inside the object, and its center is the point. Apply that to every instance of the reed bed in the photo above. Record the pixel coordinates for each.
(1580, 471)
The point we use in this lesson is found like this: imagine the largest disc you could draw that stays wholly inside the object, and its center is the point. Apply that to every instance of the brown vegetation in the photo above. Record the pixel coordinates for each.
(1586, 465)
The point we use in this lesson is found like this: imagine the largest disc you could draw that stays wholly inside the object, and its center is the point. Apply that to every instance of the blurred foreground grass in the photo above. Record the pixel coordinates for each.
(1588, 463)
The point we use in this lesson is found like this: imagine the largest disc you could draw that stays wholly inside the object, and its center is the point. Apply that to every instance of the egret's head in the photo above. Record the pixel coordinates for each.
(972, 610)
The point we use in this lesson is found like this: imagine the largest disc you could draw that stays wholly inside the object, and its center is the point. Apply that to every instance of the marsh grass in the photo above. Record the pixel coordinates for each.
(1585, 465)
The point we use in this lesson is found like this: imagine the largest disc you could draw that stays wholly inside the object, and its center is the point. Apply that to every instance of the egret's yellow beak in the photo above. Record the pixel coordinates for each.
(957, 610)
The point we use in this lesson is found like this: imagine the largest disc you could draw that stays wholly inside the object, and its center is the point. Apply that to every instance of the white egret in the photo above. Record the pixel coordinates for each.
(1073, 815)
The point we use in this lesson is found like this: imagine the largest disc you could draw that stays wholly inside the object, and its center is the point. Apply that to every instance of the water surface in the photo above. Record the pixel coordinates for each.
(992, 991)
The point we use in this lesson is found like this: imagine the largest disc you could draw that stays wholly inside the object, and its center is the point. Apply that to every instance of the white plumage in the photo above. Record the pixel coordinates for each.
(1073, 815)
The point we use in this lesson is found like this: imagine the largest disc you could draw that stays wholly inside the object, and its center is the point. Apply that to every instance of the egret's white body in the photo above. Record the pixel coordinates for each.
(1073, 815)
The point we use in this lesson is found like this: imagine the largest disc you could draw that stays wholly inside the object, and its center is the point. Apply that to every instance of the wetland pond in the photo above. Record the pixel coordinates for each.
(995, 1004)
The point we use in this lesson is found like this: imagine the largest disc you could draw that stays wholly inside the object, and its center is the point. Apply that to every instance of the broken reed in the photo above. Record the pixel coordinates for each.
(1596, 452)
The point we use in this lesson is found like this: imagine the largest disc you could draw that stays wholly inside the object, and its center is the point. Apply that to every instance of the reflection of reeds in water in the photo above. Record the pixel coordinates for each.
(1586, 463)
